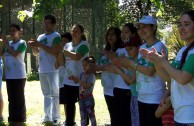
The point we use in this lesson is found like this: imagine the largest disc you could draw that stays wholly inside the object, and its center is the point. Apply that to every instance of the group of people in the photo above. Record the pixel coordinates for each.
(141, 88)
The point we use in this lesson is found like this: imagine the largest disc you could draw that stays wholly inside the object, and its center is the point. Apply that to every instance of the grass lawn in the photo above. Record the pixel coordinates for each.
(34, 105)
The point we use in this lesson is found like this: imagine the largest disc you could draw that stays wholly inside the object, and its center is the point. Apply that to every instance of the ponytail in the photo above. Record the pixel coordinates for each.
(184, 55)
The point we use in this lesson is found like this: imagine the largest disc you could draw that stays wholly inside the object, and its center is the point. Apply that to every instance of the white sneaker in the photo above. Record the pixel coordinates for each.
(56, 122)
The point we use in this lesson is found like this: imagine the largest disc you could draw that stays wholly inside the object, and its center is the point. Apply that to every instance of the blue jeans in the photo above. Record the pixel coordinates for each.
(183, 124)
(134, 111)
(50, 89)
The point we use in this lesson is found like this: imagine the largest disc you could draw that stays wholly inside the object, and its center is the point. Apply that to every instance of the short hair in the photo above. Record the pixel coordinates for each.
(15, 26)
(51, 18)
(67, 35)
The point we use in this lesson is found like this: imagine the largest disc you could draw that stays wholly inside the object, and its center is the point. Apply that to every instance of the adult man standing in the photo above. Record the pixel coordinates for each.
(46, 46)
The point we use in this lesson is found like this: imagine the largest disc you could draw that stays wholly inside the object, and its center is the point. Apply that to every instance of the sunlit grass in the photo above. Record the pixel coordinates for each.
(34, 105)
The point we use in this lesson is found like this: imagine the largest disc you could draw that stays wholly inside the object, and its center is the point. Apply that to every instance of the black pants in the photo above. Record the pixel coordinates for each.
(147, 115)
(69, 96)
(110, 105)
(122, 99)
(16, 99)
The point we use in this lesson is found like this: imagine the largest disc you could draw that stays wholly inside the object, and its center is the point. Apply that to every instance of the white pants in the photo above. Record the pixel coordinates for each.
(50, 89)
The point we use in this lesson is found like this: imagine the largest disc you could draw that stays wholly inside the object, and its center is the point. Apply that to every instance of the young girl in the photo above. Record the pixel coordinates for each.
(128, 32)
(150, 86)
(181, 72)
(113, 42)
(15, 74)
(129, 76)
(86, 81)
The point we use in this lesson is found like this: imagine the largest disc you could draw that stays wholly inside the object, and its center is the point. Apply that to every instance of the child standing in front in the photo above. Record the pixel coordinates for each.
(86, 81)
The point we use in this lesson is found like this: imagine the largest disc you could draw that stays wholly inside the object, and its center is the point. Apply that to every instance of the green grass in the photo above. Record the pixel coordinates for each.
(34, 105)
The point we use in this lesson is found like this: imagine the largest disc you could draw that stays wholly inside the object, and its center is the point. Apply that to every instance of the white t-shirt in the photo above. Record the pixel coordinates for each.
(46, 60)
(15, 67)
(118, 80)
(74, 67)
(106, 77)
(150, 88)
(182, 96)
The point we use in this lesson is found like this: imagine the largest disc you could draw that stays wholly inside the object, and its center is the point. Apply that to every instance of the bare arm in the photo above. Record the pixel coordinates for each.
(163, 108)
(180, 76)
(60, 60)
(77, 80)
(128, 79)
(114, 69)
(51, 50)
(72, 55)
(11, 51)
(127, 63)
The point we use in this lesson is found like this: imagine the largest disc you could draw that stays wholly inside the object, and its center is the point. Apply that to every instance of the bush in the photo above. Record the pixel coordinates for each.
(173, 42)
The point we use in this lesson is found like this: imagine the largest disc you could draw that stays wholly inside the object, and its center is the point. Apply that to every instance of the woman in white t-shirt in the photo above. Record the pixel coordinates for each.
(74, 53)
(180, 72)
(113, 42)
(15, 75)
(150, 86)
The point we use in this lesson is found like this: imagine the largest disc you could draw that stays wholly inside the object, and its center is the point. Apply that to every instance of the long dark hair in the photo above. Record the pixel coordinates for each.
(118, 43)
(190, 13)
(131, 27)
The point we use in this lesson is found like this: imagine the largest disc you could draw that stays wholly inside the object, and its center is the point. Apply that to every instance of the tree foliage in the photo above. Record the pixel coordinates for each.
(167, 11)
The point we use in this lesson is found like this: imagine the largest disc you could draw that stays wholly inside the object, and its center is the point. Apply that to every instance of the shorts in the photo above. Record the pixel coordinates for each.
(69, 94)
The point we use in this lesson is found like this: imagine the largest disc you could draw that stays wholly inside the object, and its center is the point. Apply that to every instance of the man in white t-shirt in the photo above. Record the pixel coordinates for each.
(46, 46)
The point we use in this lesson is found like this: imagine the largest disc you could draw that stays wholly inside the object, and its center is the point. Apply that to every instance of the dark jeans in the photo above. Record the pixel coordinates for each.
(110, 105)
(147, 115)
(122, 99)
(16, 99)
(183, 124)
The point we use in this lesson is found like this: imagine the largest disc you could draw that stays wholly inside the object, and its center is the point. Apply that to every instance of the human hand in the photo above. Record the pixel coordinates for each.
(4, 39)
(111, 68)
(166, 104)
(123, 61)
(153, 56)
(74, 78)
(110, 55)
(34, 43)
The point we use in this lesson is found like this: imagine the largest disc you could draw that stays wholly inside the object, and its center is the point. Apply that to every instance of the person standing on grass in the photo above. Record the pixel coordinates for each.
(150, 86)
(47, 46)
(180, 71)
(74, 53)
(15, 75)
(86, 81)
(127, 33)
(113, 42)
